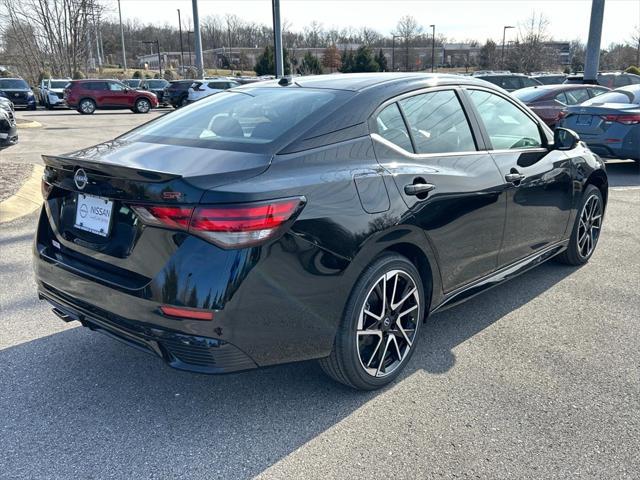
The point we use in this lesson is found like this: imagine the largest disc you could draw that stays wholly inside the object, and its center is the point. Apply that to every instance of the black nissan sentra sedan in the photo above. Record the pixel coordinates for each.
(316, 218)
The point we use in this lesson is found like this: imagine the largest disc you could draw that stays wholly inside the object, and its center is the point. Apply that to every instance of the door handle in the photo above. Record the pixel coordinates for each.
(514, 177)
(418, 188)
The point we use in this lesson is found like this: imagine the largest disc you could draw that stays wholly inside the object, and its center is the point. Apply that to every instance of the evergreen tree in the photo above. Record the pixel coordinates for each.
(381, 60)
(347, 61)
(310, 65)
(266, 63)
(364, 61)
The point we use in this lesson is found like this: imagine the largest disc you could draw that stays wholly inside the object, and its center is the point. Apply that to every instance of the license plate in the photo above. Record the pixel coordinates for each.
(584, 119)
(93, 214)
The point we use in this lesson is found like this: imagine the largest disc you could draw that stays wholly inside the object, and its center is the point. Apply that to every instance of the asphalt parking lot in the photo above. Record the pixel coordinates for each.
(538, 378)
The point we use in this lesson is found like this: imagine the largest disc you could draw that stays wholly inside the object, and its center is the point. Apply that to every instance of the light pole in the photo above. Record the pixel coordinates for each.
(181, 47)
(197, 40)
(393, 51)
(277, 39)
(433, 47)
(504, 36)
(189, 46)
(157, 44)
(124, 54)
(592, 54)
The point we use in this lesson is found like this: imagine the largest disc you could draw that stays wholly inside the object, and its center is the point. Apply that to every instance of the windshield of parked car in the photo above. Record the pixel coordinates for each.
(253, 116)
(620, 95)
(59, 83)
(530, 94)
(12, 83)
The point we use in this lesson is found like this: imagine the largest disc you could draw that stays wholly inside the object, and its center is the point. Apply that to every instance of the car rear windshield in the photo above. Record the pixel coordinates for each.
(529, 94)
(616, 96)
(237, 120)
(12, 83)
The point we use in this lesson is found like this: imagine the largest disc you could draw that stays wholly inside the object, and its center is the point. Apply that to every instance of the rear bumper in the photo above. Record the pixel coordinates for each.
(185, 352)
(8, 133)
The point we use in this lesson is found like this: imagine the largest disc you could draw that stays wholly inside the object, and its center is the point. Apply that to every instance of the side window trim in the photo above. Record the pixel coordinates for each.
(406, 125)
(546, 141)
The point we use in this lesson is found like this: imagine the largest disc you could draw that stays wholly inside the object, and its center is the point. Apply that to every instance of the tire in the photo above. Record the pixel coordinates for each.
(142, 105)
(367, 361)
(586, 229)
(86, 106)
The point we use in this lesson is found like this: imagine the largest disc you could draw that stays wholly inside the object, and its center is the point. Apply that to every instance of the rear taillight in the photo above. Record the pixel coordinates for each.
(626, 119)
(228, 226)
(187, 313)
(562, 114)
(45, 188)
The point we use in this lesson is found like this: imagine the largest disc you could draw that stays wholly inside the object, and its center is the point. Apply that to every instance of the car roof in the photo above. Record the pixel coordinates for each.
(501, 75)
(356, 82)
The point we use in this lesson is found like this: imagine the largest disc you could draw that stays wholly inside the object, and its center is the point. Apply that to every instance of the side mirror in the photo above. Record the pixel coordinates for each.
(565, 139)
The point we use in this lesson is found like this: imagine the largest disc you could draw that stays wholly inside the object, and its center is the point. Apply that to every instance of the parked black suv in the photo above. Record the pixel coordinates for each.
(18, 91)
(177, 92)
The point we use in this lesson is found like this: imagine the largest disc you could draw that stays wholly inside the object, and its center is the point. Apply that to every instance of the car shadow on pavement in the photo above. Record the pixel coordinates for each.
(78, 404)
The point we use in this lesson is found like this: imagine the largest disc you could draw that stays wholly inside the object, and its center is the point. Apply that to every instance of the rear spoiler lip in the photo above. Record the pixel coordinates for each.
(104, 169)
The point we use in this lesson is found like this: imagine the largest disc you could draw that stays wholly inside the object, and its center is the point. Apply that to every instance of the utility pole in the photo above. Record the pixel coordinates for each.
(189, 46)
(124, 53)
(181, 48)
(277, 39)
(157, 44)
(433, 47)
(197, 39)
(504, 36)
(592, 56)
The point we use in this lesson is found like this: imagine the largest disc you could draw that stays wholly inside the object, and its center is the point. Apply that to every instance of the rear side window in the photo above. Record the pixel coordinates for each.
(229, 119)
(97, 86)
(576, 97)
(391, 127)
(594, 91)
(562, 98)
(528, 82)
(508, 127)
(438, 123)
(218, 85)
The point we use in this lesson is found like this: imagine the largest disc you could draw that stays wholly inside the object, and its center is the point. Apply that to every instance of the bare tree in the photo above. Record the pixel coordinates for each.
(407, 28)
(635, 42)
(53, 34)
(530, 52)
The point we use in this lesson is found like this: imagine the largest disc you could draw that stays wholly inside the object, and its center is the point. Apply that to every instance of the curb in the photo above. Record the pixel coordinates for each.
(26, 200)
(28, 124)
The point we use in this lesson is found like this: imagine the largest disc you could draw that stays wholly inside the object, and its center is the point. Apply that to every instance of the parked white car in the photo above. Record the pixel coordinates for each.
(206, 87)
(52, 92)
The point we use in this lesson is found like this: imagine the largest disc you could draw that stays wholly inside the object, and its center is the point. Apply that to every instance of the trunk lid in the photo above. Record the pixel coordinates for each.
(588, 120)
(124, 174)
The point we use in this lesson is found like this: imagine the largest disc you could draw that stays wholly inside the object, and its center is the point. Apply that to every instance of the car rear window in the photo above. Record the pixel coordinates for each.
(617, 96)
(254, 117)
(13, 83)
(529, 94)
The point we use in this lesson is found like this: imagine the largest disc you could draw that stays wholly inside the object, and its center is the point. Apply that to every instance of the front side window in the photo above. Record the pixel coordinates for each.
(391, 127)
(508, 127)
(438, 123)
(116, 87)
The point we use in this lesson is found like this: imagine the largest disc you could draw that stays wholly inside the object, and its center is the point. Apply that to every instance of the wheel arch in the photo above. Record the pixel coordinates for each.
(599, 179)
(410, 242)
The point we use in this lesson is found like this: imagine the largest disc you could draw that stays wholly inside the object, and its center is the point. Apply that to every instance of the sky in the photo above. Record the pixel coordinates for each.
(456, 19)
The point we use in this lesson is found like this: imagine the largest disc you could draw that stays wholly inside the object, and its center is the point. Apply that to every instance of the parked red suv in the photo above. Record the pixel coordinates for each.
(88, 95)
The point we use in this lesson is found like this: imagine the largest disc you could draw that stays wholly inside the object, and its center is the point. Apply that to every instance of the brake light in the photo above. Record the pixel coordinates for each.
(228, 226)
(562, 114)
(628, 119)
(189, 313)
